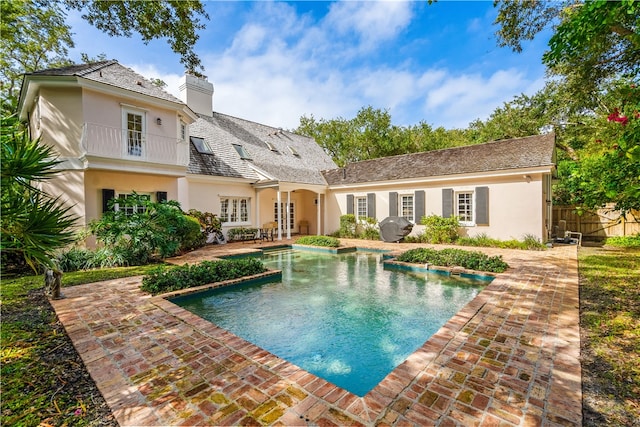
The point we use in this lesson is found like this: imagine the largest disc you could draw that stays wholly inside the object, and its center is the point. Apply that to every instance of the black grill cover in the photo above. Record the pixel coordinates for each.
(394, 228)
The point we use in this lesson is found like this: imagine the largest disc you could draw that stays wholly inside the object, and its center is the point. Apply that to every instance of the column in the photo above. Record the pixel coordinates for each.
(288, 214)
(279, 204)
(318, 210)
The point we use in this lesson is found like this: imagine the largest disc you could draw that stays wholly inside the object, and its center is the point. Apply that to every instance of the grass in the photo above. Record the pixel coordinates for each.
(43, 379)
(610, 329)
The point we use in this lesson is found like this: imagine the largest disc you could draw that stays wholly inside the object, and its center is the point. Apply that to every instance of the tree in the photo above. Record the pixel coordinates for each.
(33, 37)
(595, 55)
(593, 42)
(371, 134)
(33, 224)
(176, 21)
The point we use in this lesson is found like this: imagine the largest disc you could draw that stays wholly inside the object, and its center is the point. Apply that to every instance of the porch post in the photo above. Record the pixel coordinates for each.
(288, 215)
(257, 208)
(318, 210)
(279, 204)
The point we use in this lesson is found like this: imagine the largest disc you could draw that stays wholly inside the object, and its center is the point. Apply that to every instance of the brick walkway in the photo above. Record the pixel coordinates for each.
(510, 357)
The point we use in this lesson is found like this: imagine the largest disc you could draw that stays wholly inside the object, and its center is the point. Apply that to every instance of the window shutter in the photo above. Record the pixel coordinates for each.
(371, 205)
(482, 205)
(447, 202)
(419, 205)
(349, 204)
(393, 203)
(107, 195)
(161, 196)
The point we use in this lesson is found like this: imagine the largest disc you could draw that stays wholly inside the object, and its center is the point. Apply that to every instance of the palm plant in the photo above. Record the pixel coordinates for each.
(33, 224)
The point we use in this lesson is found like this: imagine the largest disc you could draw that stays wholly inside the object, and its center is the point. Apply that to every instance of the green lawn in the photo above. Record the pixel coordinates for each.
(610, 328)
(43, 379)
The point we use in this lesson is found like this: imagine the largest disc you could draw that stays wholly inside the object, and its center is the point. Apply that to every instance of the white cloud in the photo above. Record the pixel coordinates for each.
(372, 22)
(281, 66)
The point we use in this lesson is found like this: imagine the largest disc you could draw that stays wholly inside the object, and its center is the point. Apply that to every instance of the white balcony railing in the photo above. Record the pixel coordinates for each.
(114, 143)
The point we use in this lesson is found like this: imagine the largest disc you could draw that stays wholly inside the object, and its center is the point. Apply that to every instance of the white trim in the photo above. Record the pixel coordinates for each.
(456, 211)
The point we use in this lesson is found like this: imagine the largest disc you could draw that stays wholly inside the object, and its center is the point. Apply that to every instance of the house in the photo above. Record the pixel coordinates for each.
(118, 133)
(500, 188)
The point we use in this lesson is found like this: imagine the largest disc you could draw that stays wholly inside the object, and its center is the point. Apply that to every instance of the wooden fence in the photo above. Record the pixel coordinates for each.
(599, 224)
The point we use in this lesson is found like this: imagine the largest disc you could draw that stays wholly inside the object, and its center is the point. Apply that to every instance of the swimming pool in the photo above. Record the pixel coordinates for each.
(341, 317)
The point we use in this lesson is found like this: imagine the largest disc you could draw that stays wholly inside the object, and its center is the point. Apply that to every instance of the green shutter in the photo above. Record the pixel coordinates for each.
(447, 202)
(393, 203)
(349, 204)
(482, 205)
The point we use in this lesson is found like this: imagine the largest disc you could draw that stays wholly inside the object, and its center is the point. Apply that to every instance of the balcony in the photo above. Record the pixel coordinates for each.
(117, 143)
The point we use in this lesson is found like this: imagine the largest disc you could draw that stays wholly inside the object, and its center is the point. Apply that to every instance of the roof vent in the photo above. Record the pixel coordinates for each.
(293, 151)
(139, 83)
(271, 147)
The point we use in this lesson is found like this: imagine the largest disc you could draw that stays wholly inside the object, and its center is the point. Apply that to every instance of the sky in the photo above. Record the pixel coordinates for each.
(273, 62)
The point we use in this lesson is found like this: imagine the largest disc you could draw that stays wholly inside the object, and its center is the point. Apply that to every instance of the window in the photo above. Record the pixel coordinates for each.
(242, 152)
(361, 207)
(201, 145)
(134, 132)
(131, 203)
(234, 209)
(406, 207)
(464, 207)
(292, 219)
(182, 131)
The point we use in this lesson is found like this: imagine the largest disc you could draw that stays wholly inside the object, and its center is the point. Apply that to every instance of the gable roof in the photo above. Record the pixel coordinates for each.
(528, 152)
(268, 148)
(110, 73)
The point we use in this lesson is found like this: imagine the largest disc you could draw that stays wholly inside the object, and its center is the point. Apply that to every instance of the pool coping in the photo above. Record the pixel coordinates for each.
(499, 360)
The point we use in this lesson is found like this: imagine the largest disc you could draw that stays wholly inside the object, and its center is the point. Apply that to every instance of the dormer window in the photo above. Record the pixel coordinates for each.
(201, 145)
(242, 152)
(293, 151)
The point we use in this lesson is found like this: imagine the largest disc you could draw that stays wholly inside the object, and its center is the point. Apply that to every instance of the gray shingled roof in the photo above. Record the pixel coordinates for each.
(533, 151)
(113, 74)
(221, 131)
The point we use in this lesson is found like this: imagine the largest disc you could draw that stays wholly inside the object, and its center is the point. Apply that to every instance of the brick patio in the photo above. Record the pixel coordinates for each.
(509, 358)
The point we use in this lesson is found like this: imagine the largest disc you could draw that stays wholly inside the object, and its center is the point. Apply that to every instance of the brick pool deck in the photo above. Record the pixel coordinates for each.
(509, 358)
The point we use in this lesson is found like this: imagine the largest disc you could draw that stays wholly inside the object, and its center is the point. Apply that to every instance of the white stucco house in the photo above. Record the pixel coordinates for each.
(117, 133)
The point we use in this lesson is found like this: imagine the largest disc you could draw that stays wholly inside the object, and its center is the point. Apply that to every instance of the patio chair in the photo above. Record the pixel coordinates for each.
(268, 230)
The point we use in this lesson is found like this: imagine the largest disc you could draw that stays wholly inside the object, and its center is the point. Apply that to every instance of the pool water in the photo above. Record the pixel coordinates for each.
(341, 317)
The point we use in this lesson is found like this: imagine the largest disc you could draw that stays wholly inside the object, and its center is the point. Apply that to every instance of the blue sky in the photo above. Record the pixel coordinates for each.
(272, 62)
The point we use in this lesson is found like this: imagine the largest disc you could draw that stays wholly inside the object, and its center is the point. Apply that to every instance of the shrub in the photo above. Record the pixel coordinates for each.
(239, 232)
(75, 259)
(367, 228)
(624, 241)
(439, 229)
(325, 241)
(455, 257)
(141, 230)
(167, 279)
(193, 236)
(347, 226)
(529, 242)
